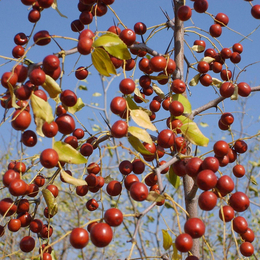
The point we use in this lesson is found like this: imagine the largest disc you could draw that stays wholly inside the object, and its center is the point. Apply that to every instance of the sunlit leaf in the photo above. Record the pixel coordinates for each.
(96, 128)
(235, 94)
(50, 201)
(52, 87)
(81, 87)
(138, 146)
(253, 180)
(77, 107)
(198, 48)
(142, 119)
(71, 180)
(102, 62)
(155, 197)
(113, 45)
(208, 59)
(158, 91)
(159, 77)
(185, 102)
(41, 109)
(173, 178)
(167, 239)
(140, 134)
(68, 154)
(192, 132)
(138, 93)
(204, 124)
(216, 82)
(96, 94)
(13, 96)
(55, 7)
(195, 80)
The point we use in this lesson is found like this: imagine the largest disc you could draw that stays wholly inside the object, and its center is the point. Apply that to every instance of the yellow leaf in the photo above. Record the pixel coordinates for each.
(167, 240)
(195, 80)
(55, 7)
(138, 146)
(68, 154)
(77, 107)
(52, 87)
(102, 62)
(155, 197)
(50, 201)
(140, 134)
(142, 119)
(71, 180)
(216, 82)
(41, 109)
(158, 91)
(198, 48)
(208, 59)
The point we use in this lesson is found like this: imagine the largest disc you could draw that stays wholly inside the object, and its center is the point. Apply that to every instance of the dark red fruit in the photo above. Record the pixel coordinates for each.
(27, 244)
(183, 242)
(119, 129)
(128, 36)
(244, 89)
(101, 234)
(157, 63)
(248, 236)
(21, 119)
(239, 170)
(166, 138)
(194, 227)
(240, 224)
(50, 129)
(215, 30)
(79, 238)
(138, 191)
(42, 38)
(53, 189)
(127, 86)
(221, 19)
(200, 6)
(29, 138)
(207, 200)
(193, 166)
(68, 98)
(14, 225)
(255, 11)
(184, 13)
(239, 201)
(113, 217)
(49, 158)
(66, 124)
(228, 213)
(240, 146)
(246, 248)
(206, 179)
(36, 225)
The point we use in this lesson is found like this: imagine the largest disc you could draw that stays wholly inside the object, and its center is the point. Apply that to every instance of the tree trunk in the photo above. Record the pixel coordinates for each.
(191, 201)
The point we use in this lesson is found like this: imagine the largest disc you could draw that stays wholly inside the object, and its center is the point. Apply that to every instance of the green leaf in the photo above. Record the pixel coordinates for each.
(42, 111)
(155, 197)
(52, 87)
(254, 189)
(77, 107)
(175, 255)
(185, 102)
(140, 134)
(198, 48)
(68, 154)
(138, 146)
(130, 102)
(195, 80)
(81, 87)
(50, 201)
(253, 180)
(167, 239)
(102, 62)
(55, 7)
(113, 45)
(173, 178)
(71, 180)
(158, 91)
(142, 119)
(192, 132)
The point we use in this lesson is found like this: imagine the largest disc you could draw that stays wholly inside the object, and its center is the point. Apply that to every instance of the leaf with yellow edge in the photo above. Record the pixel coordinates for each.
(138, 93)
(68, 154)
(130, 102)
(52, 87)
(216, 82)
(207, 59)
(138, 146)
(175, 255)
(158, 91)
(41, 109)
(39, 123)
(167, 239)
(55, 7)
(102, 62)
(198, 48)
(185, 102)
(142, 119)
(140, 134)
(50, 201)
(71, 180)
(155, 197)
(195, 80)
(192, 132)
(173, 178)
(77, 107)
(113, 45)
